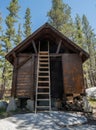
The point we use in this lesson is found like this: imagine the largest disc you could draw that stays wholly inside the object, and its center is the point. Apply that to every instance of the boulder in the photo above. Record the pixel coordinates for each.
(87, 107)
(91, 92)
(12, 105)
(30, 105)
(3, 105)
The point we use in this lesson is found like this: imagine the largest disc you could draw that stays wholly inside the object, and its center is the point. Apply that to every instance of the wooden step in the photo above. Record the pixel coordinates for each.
(44, 63)
(43, 81)
(45, 93)
(43, 100)
(43, 52)
(44, 59)
(43, 55)
(43, 71)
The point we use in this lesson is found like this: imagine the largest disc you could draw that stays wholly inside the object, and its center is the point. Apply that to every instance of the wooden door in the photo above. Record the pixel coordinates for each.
(72, 74)
(56, 77)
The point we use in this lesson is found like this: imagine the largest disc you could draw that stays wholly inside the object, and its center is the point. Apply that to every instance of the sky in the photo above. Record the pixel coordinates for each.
(39, 9)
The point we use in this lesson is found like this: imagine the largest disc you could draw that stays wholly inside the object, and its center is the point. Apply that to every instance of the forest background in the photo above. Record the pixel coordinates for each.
(17, 23)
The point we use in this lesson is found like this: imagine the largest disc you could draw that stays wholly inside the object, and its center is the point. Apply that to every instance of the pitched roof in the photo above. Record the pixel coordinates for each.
(43, 29)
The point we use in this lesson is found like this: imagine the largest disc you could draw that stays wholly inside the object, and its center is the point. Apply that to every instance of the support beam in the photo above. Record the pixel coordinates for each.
(81, 54)
(14, 79)
(14, 55)
(24, 62)
(58, 48)
(34, 46)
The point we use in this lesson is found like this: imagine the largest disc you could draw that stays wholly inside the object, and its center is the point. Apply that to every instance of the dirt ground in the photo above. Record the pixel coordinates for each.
(52, 121)
(91, 117)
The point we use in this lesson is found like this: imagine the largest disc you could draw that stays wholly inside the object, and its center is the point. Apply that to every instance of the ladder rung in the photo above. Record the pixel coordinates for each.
(45, 93)
(43, 56)
(44, 67)
(43, 81)
(45, 59)
(43, 100)
(43, 106)
(47, 63)
(43, 71)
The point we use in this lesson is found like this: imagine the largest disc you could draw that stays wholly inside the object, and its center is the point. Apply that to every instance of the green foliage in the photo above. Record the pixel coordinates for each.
(11, 19)
(1, 52)
(7, 41)
(79, 37)
(27, 24)
(60, 17)
(0, 22)
(80, 32)
(90, 41)
(19, 35)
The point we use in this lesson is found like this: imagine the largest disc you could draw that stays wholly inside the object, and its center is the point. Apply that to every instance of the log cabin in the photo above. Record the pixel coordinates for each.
(47, 66)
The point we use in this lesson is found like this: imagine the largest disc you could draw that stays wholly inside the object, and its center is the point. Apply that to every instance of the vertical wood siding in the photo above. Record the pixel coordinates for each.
(72, 74)
(56, 77)
(25, 78)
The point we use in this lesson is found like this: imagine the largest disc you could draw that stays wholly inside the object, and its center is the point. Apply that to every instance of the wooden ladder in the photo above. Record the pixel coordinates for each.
(43, 93)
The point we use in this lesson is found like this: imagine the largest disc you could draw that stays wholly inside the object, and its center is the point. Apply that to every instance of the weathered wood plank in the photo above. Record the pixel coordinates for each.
(58, 48)
(72, 74)
(32, 77)
(14, 78)
(24, 62)
(25, 76)
(34, 46)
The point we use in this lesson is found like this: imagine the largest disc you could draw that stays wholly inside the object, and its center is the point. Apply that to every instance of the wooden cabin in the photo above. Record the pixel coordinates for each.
(60, 70)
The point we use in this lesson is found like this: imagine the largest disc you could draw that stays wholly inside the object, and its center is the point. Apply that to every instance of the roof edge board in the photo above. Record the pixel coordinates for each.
(46, 25)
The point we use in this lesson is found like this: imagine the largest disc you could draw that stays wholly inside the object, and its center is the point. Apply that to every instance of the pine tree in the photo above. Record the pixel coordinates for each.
(19, 35)
(60, 17)
(11, 19)
(89, 39)
(8, 40)
(79, 37)
(27, 24)
(0, 47)
(2, 53)
(0, 22)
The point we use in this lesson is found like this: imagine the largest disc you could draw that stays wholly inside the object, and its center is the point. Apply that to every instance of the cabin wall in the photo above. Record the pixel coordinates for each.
(24, 86)
(73, 80)
(66, 75)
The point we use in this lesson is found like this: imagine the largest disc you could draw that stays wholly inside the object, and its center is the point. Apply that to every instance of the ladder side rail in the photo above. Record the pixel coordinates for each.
(49, 77)
(37, 81)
